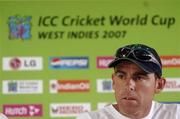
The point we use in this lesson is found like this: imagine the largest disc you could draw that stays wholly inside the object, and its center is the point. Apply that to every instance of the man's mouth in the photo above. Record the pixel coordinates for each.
(129, 98)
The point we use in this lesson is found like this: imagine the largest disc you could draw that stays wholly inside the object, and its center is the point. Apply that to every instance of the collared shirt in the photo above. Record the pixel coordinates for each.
(2, 116)
(158, 111)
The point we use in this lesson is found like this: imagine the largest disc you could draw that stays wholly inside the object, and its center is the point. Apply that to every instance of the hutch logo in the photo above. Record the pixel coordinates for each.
(103, 61)
(69, 86)
(68, 109)
(32, 110)
(22, 63)
(19, 27)
(170, 61)
(68, 62)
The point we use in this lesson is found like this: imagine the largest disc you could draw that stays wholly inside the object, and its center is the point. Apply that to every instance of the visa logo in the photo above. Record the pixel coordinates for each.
(68, 62)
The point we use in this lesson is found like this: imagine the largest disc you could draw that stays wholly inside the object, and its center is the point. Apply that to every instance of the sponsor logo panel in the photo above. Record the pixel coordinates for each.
(104, 86)
(103, 61)
(22, 63)
(22, 86)
(172, 84)
(23, 110)
(68, 109)
(69, 86)
(68, 62)
(170, 61)
(167, 61)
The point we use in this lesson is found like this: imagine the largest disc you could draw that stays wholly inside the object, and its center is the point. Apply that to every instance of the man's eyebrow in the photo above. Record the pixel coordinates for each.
(141, 73)
(119, 71)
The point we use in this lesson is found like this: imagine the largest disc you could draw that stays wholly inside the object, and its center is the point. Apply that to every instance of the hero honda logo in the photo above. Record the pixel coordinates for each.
(103, 61)
(23, 110)
(68, 62)
(19, 27)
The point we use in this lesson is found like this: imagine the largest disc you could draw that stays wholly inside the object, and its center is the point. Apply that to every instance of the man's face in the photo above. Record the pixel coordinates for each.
(134, 88)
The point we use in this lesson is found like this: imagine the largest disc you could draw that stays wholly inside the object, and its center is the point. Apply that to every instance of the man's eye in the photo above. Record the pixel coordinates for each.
(120, 76)
(138, 78)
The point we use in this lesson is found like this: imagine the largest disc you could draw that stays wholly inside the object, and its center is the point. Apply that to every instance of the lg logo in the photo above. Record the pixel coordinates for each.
(22, 63)
(16, 63)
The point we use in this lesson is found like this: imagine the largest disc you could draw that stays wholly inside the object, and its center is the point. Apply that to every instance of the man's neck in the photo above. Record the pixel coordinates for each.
(136, 114)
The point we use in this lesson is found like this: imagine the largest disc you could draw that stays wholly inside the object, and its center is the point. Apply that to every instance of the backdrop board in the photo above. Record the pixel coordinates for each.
(54, 54)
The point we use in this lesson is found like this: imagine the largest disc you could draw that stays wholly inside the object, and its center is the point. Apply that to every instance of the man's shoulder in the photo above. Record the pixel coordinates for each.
(167, 107)
(165, 110)
(98, 114)
(167, 104)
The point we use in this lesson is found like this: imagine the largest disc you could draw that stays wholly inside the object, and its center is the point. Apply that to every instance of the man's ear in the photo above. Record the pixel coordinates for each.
(160, 83)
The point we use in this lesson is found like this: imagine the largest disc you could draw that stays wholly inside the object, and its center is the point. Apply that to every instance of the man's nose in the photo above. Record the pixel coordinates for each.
(130, 84)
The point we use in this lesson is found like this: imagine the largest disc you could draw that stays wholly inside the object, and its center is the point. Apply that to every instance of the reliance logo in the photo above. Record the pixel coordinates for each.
(68, 62)
(23, 110)
(69, 86)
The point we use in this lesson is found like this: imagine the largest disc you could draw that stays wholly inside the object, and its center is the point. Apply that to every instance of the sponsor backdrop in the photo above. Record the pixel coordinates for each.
(54, 54)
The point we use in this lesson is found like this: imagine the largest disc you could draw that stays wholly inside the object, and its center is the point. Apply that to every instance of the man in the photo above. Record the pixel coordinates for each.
(136, 79)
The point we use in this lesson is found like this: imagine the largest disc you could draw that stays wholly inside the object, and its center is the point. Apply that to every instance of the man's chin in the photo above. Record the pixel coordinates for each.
(129, 102)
